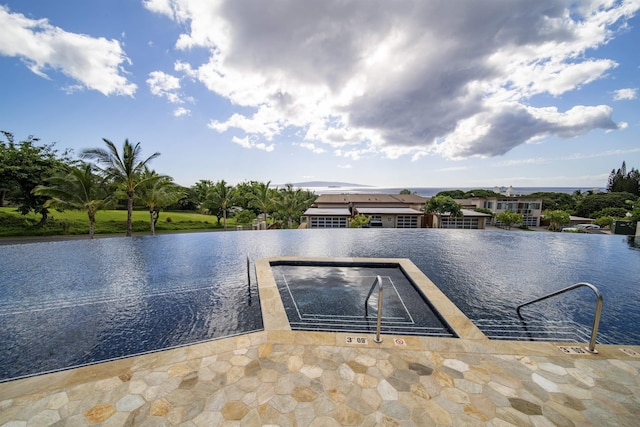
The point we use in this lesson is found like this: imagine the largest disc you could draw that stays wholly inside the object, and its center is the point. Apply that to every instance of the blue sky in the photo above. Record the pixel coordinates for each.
(385, 93)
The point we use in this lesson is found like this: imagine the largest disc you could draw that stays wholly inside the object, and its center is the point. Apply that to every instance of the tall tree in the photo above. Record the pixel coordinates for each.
(222, 197)
(557, 218)
(509, 218)
(622, 181)
(440, 205)
(24, 166)
(156, 192)
(593, 203)
(77, 188)
(125, 169)
(262, 198)
(291, 203)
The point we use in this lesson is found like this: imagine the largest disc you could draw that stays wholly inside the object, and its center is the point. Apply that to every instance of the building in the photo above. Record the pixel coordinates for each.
(469, 220)
(384, 210)
(529, 207)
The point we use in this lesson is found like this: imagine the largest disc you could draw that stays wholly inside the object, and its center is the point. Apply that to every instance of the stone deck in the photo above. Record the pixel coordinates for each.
(319, 379)
(288, 378)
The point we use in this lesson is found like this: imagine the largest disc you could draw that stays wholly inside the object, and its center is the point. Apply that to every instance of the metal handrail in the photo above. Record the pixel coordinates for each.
(377, 282)
(596, 316)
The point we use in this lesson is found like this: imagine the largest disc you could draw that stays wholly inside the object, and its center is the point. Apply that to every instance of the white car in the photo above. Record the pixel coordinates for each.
(587, 227)
(581, 228)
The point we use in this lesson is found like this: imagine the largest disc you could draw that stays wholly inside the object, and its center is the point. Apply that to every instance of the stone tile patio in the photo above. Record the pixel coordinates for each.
(319, 379)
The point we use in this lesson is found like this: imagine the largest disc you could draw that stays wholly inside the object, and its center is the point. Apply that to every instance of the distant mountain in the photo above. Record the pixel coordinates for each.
(314, 184)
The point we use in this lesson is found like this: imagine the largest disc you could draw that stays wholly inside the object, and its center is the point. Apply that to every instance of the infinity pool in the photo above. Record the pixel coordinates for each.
(71, 303)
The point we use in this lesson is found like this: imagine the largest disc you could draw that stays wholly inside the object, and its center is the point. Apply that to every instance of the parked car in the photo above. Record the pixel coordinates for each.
(587, 227)
(581, 228)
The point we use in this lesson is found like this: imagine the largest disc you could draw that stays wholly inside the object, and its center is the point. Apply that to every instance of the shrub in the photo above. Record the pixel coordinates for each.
(604, 221)
(245, 217)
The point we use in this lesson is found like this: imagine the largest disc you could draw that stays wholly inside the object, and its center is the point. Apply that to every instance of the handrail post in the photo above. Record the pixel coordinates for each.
(377, 282)
(596, 322)
(596, 317)
(378, 339)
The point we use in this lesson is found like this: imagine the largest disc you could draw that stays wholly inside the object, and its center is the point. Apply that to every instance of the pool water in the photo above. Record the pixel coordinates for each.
(331, 296)
(71, 303)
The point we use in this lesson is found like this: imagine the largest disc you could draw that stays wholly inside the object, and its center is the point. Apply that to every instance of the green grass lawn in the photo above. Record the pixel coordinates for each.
(14, 224)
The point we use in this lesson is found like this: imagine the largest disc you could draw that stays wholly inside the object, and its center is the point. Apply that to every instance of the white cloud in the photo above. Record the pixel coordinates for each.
(167, 86)
(312, 147)
(402, 78)
(97, 63)
(246, 142)
(164, 85)
(625, 94)
(181, 111)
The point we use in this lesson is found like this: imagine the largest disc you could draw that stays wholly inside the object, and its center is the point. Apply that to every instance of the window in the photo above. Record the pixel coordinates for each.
(328, 222)
(375, 221)
(406, 221)
(468, 223)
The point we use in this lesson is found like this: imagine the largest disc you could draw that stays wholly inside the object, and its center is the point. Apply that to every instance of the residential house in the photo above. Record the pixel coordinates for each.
(384, 210)
(529, 207)
(469, 220)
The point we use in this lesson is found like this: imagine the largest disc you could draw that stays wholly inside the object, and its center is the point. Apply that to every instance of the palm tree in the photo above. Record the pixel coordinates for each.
(156, 192)
(262, 198)
(222, 196)
(77, 188)
(202, 191)
(124, 169)
(291, 203)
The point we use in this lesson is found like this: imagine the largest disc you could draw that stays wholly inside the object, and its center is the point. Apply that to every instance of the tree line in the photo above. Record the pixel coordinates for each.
(36, 178)
(621, 201)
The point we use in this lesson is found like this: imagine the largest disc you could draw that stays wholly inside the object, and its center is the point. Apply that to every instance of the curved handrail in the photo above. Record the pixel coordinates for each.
(596, 316)
(377, 282)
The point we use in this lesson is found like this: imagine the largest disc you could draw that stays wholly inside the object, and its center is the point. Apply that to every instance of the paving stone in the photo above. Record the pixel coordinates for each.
(100, 413)
(347, 416)
(387, 391)
(524, 406)
(234, 410)
(545, 383)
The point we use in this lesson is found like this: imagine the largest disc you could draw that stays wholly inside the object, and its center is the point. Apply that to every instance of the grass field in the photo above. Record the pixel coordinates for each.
(14, 224)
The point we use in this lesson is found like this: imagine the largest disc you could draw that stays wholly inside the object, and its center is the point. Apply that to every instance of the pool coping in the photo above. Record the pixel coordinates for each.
(275, 318)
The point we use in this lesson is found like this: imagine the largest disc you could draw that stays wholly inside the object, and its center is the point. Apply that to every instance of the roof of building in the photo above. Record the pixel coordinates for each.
(371, 198)
(327, 212)
(389, 211)
(470, 214)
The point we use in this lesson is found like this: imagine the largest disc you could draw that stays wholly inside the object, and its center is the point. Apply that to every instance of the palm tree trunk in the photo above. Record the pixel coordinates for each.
(92, 222)
(129, 213)
(152, 223)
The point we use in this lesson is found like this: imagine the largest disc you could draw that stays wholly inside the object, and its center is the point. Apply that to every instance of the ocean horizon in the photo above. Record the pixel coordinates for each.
(432, 191)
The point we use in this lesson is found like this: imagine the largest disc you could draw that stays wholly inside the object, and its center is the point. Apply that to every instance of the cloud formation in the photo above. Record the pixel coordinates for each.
(168, 86)
(625, 94)
(403, 77)
(97, 63)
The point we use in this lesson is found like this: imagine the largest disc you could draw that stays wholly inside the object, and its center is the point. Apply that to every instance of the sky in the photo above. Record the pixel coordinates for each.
(387, 93)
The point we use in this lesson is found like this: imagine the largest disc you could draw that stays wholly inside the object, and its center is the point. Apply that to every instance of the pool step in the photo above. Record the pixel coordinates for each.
(537, 330)
(513, 330)
(357, 324)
